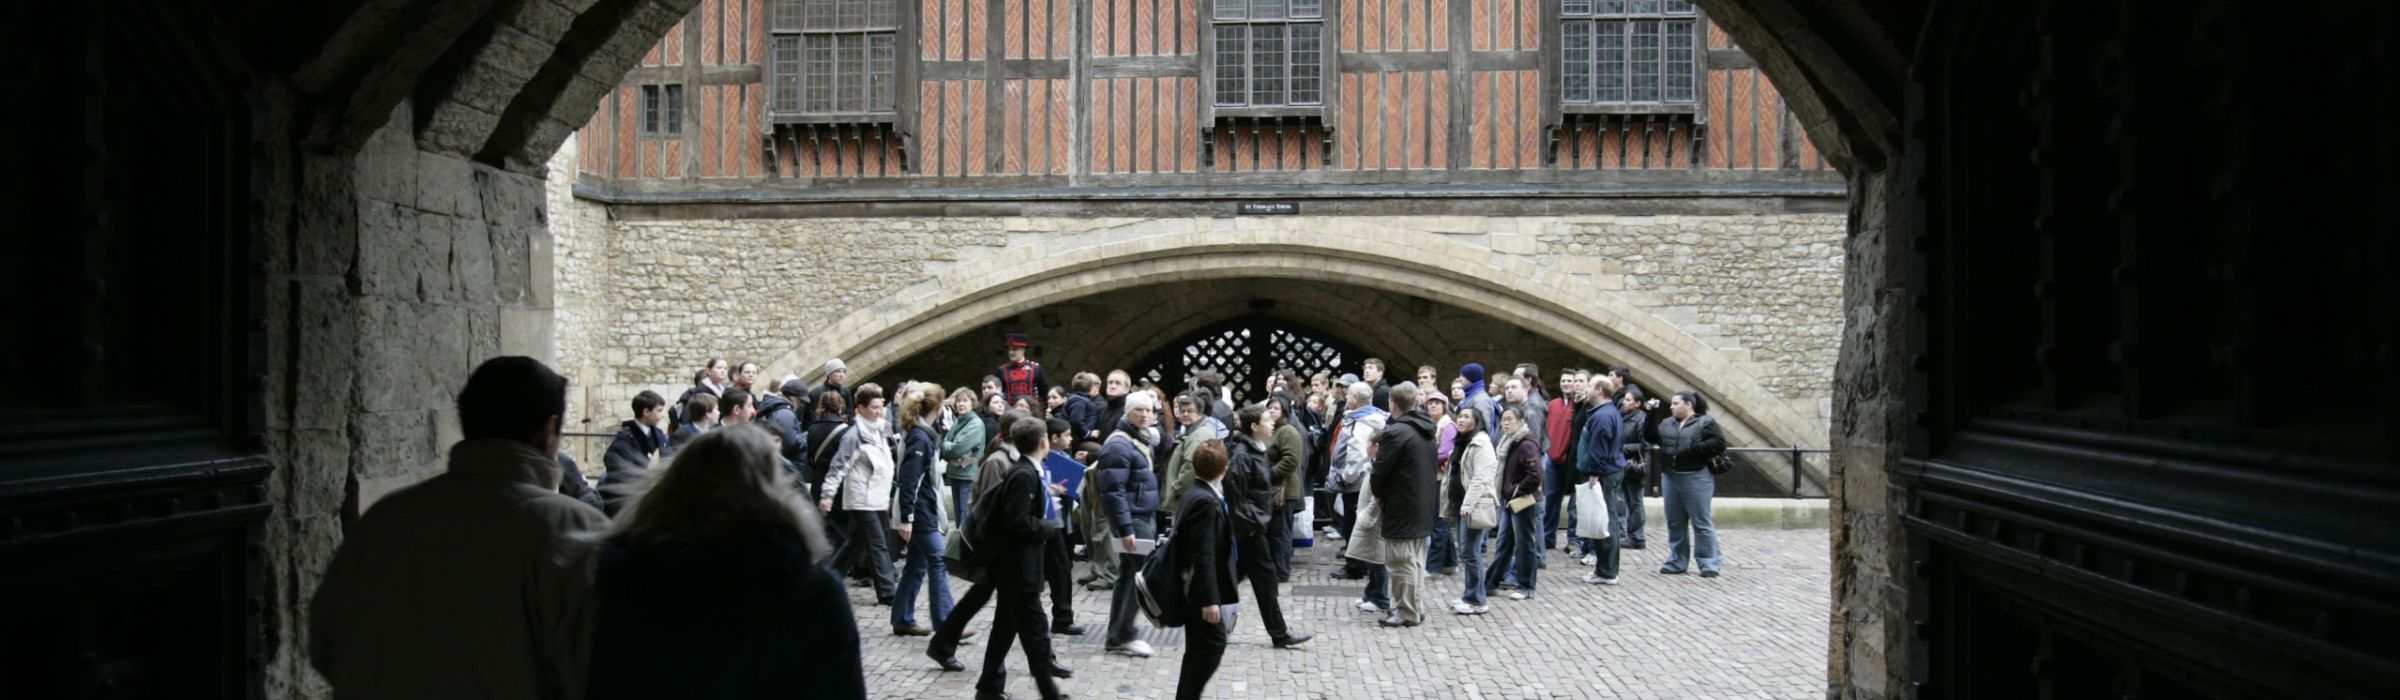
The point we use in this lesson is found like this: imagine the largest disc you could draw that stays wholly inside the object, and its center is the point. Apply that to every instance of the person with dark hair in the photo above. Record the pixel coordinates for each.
(700, 416)
(572, 484)
(745, 377)
(475, 583)
(779, 413)
(1568, 415)
(1687, 442)
(1637, 458)
(1021, 378)
(707, 587)
(1210, 558)
(1015, 531)
(1370, 371)
(1472, 504)
(1520, 478)
(1403, 484)
(1603, 464)
(1248, 486)
(1212, 386)
(710, 381)
(1287, 456)
(1112, 406)
(860, 482)
(828, 418)
(637, 444)
(1063, 476)
(736, 407)
(1531, 374)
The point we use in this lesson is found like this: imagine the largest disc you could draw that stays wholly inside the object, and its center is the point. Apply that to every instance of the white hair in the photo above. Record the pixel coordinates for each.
(1361, 391)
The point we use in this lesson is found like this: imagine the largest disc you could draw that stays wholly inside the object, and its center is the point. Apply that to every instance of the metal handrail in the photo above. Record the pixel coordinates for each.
(1795, 451)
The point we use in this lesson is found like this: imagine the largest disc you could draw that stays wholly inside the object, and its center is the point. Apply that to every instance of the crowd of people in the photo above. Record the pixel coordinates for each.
(712, 558)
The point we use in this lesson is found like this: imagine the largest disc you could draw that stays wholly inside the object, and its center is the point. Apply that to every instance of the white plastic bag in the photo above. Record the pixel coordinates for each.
(1304, 524)
(1591, 511)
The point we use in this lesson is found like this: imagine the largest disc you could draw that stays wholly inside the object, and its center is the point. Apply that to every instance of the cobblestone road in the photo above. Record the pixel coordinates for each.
(1756, 632)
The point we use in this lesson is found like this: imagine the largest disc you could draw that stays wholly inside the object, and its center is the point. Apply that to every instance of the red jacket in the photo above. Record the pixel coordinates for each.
(1561, 416)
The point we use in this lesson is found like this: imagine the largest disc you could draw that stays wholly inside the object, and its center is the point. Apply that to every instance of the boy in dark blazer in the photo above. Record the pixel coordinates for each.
(1204, 543)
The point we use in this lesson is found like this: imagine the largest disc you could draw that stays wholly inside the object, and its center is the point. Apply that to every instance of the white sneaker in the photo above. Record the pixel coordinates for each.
(1369, 606)
(1595, 578)
(1332, 534)
(1591, 559)
(1461, 607)
(1517, 595)
(1478, 609)
(1137, 649)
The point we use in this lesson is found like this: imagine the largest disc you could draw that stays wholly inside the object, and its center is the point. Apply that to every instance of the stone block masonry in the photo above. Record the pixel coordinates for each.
(643, 303)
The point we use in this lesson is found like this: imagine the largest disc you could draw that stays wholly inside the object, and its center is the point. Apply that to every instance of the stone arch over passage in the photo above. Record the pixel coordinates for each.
(1459, 271)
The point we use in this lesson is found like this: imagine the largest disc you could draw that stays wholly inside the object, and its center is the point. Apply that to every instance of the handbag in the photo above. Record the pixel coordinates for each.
(1520, 503)
(1483, 518)
(1720, 464)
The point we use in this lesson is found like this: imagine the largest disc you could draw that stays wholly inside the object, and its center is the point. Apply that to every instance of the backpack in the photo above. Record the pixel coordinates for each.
(958, 553)
(1160, 585)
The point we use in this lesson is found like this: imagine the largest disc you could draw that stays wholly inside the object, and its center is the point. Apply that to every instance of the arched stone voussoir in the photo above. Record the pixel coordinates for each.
(1564, 309)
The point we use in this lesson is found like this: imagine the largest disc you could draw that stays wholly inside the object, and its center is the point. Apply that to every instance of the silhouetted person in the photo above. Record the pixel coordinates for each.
(708, 588)
(472, 584)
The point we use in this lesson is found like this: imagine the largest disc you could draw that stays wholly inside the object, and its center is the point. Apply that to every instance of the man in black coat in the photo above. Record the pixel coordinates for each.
(1011, 541)
(638, 442)
(1249, 488)
(1207, 555)
(1403, 481)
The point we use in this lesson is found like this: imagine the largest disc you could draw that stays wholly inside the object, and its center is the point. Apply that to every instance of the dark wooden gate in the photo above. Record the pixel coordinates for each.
(2153, 450)
(132, 477)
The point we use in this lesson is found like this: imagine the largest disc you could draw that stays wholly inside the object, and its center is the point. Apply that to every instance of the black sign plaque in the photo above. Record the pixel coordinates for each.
(1268, 208)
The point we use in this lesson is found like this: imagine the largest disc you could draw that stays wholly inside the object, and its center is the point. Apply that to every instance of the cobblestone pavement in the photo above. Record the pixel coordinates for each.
(1756, 632)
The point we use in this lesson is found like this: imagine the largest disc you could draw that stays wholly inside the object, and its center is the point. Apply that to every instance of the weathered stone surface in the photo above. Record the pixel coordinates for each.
(410, 355)
(391, 443)
(327, 332)
(317, 467)
(446, 184)
(471, 265)
(329, 221)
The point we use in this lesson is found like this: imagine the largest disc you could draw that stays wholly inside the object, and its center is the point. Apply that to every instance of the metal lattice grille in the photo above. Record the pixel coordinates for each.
(1246, 352)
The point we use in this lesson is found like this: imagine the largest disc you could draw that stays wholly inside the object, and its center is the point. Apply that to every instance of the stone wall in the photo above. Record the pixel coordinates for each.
(397, 271)
(1761, 292)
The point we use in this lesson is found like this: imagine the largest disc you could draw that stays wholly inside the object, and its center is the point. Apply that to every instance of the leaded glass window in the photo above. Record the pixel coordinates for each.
(1628, 52)
(834, 56)
(1269, 52)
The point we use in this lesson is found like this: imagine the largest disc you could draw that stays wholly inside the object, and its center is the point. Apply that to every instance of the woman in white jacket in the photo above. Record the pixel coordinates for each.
(1479, 512)
(860, 484)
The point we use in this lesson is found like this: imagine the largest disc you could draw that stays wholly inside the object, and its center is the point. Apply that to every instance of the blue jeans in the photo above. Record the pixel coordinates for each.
(1688, 496)
(1442, 552)
(1558, 485)
(1514, 559)
(1379, 586)
(1470, 552)
(925, 566)
(1612, 490)
(961, 492)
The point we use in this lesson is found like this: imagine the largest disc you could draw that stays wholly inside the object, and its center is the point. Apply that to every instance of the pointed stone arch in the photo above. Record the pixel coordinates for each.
(1563, 307)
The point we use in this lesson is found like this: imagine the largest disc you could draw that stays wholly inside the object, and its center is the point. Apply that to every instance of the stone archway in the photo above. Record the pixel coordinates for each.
(1549, 302)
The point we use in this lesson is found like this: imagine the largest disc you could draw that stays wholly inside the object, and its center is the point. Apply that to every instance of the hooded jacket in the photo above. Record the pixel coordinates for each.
(1521, 467)
(1179, 476)
(861, 478)
(919, 497)
(628, 456)
(1082, 415)
(471, 584)
(1350, 461)
(1403, 477)
(779, 416)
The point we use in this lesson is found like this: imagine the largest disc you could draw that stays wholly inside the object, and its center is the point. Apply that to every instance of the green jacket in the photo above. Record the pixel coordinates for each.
(1284, 455)
(962, 449)
(1179, 466)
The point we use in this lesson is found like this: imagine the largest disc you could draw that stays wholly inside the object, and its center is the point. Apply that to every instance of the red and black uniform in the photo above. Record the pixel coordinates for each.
(1023, 379)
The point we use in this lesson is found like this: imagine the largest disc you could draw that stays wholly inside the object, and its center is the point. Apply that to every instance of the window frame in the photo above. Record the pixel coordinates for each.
(1560, 20)
(903, 30)
(661, 110)
(1326, 19)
